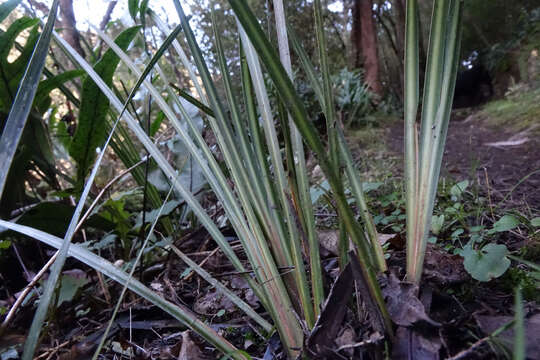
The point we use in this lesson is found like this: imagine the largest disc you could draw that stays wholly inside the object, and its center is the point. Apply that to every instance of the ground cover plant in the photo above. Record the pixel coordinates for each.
(220, 162)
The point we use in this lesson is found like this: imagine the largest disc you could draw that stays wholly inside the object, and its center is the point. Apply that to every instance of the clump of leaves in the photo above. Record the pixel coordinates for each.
(35, 154)
(353, 97)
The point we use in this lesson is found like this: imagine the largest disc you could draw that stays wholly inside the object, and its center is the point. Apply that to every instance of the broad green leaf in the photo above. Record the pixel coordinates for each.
(133, 6)
(17, 67)
(457, 190)
(42, 100)
(92, 130)
(69, 286)
(165, 210)
(535, 222)
(485, 264)
(319, 190)
(437, 224)
(12, 72)
(142, 12)
(7, 38)
(156, 124)
(7, 7)
(507, 222)
(371, 186)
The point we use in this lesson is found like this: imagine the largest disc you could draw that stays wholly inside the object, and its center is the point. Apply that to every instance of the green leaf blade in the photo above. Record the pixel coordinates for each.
(7, 7)
(506, 223)
(23, 100)
(91, 130)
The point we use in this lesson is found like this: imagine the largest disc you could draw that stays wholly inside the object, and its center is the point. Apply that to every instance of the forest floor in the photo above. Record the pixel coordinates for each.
(461, 312)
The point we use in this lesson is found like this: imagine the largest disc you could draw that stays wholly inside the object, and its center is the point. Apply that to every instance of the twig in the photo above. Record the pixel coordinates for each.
(69, 25)
(49, 353)
(378, 337)
(25, 292)
(212, 253)
(107, 16)
(464, 353)
(38, 276)
(489, 193)
(102, 192)
(16, 250)
(104, 287)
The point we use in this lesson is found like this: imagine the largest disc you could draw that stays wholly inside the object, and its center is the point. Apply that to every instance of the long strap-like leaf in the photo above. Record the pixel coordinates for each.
(296, 108)
(7, 7)
(108, 269)
(24, 99)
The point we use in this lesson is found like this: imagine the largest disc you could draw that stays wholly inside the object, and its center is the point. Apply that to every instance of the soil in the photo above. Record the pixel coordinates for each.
(448, 317)
(497, 159)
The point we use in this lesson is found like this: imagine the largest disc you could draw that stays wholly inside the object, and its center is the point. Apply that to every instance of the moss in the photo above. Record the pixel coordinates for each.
(519, 111)
(515, 277)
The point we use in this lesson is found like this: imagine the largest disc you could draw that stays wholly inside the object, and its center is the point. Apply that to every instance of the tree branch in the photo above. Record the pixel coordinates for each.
(69, 29)
(108, 14)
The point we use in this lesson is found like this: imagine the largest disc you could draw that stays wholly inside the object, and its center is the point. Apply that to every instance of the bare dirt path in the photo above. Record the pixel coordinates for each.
(474, 150)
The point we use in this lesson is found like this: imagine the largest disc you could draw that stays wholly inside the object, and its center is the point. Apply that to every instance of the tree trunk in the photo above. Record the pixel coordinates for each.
(399, 5)
(365, 42)
(69, 29)
(400, 27)
(356, 39)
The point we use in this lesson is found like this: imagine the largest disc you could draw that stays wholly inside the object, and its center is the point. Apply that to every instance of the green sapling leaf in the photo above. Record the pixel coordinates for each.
(488, 263)
(437, 223)
(507, 222)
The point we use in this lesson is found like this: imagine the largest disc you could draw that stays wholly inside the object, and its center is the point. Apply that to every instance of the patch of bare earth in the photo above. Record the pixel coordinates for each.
(499, 160)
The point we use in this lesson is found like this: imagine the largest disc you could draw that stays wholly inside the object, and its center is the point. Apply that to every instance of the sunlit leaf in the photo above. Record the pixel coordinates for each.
(7, 7)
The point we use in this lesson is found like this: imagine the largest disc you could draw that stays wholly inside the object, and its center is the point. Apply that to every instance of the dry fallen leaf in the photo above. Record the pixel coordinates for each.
(402, 303)
(189, 350)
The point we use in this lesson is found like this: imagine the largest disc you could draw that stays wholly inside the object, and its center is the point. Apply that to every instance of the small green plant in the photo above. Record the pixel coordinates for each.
(424, 149)
(486, 262)
(353, 98)
(263, 190)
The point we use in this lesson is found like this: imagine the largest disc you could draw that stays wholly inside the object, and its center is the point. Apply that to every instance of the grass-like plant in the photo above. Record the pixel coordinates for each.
(265, 194)
(424, 149)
